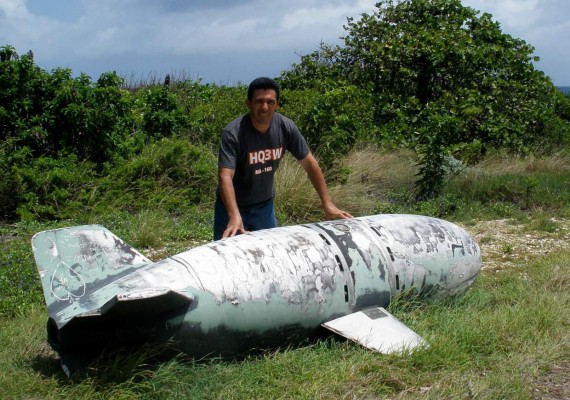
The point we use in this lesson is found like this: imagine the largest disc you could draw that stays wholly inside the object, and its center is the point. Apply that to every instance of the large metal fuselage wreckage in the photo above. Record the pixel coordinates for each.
(253, 291)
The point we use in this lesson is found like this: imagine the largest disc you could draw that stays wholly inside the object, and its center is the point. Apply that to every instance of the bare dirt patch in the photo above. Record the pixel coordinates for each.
(506, 243)
(555, 385)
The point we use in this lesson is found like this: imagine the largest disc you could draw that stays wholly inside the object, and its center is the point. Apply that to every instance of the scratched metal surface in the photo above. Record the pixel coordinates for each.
(75, 262)
(263, 279)
(261, 282)
(427, 253)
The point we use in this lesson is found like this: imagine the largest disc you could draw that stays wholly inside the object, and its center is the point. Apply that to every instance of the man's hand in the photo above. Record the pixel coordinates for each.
(336, 213)
(234, 226)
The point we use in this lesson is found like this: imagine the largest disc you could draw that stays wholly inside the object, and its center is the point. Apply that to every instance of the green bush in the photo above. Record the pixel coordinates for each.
(162, 115)
(218, 106)
(11, 192)
(56, 188)
(89, 120)
(333, 121)
(53, 113)
(171, 174)
(11, 188)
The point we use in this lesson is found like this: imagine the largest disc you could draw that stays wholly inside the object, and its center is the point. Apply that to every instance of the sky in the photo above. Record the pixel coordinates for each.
(231, 41)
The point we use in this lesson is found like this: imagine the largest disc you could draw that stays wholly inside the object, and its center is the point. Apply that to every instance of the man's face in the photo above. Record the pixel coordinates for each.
(262, 106)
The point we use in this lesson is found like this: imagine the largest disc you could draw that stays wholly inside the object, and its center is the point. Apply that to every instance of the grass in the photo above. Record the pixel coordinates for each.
(383, 182)
(508, 337)
(509, 185)
(374, 177)
(497, 341)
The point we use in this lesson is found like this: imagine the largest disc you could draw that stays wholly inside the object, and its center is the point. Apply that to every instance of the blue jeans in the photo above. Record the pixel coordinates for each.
(254, 218)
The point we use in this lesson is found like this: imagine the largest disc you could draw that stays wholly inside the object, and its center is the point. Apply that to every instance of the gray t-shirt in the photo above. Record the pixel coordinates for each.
(255, 156)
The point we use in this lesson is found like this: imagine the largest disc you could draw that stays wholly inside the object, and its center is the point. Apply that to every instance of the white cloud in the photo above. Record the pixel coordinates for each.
(518, 14)
(13, 8)
(169, 31)
(111, 27)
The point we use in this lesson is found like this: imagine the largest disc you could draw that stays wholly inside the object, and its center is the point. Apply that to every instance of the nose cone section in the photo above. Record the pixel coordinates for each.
(428, 255)
(461, 275)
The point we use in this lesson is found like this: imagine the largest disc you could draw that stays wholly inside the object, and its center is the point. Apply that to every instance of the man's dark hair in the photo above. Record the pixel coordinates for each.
(262, 83)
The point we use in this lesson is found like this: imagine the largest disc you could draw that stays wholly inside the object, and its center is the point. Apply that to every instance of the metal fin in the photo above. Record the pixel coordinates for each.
(73, 263)
(376, 329)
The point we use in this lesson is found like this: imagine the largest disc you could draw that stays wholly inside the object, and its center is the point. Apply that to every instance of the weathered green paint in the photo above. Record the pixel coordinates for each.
(255, 290)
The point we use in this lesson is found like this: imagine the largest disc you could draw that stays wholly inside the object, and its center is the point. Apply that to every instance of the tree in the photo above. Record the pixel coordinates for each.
(444, 79)
(22, 90)
(47, 114)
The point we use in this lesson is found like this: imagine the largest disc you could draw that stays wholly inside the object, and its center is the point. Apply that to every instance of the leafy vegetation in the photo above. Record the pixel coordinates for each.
(426, 108)
(431, 76)
(443, 81)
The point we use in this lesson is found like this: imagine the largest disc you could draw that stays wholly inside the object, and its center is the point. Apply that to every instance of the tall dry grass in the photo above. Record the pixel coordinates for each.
(502, 163)
(371, 175)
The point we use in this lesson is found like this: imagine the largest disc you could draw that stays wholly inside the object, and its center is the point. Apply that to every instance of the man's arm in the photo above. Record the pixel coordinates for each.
(313, 170)
(228, 195)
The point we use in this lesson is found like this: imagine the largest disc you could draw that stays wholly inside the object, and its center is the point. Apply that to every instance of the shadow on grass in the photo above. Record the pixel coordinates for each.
(120, 366)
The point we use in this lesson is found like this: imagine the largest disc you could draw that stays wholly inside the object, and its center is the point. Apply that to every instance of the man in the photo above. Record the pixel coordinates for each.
(249, 154)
